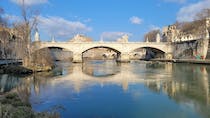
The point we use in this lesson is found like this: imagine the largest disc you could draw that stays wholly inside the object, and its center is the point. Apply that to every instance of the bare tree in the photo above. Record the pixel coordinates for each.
(4, 37)
(24, 30)
(205, 13)
(3, 22)
(196, 27)
(151, 36)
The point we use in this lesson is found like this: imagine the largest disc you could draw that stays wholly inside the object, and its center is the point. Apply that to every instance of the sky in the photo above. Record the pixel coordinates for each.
(105, 20)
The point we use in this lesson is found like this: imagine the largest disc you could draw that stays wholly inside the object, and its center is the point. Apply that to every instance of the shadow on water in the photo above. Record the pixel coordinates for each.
(132, 89)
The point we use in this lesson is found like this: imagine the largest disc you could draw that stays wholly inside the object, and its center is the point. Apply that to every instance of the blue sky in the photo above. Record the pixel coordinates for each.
(105, 19)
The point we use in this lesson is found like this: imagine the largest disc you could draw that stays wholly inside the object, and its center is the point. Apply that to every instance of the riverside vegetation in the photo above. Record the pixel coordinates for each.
(11, 106)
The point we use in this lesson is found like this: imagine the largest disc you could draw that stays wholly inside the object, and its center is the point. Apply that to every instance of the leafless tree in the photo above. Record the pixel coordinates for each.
(23, 30)
(4, 37)
(3, 22)
(205, 13)
(151, 36)
(196, 27)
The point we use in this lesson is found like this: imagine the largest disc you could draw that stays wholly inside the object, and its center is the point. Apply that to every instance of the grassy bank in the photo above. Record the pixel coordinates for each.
(11, 106)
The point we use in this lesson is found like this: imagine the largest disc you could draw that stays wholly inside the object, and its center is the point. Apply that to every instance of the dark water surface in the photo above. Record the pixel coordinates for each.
(106, 89)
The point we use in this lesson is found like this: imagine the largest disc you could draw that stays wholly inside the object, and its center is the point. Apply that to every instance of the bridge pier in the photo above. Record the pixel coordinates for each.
(168, 56)
(124, 58)
(77, 58)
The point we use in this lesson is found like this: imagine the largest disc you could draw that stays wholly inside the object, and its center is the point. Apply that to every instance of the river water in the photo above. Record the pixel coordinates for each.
(106, 89)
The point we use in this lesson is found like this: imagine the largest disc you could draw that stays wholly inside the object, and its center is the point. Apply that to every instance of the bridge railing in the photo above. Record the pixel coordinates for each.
(106, 42)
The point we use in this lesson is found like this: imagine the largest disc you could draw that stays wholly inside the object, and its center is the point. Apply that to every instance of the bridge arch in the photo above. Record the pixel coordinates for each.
(107, 54)
(107, 47)
(56, 52)
(157, 47)
(151, 47)
(147, 52)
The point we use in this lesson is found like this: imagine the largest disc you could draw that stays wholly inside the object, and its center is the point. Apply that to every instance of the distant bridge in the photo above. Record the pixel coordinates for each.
(123, 49)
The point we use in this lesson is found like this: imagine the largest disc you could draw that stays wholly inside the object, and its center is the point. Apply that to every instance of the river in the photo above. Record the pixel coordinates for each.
(106, 89)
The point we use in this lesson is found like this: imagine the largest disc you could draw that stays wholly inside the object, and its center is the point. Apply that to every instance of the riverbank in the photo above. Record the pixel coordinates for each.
(15, 69)
(21, 70)
(11, 106)
(191, 61)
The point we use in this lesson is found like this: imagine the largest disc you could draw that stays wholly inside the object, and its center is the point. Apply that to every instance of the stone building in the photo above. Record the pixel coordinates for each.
(8, 44)
(169, 33)
(196, 30)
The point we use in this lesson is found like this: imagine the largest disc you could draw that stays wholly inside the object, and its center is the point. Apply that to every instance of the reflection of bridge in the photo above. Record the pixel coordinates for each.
(122, 48)
(79, 80)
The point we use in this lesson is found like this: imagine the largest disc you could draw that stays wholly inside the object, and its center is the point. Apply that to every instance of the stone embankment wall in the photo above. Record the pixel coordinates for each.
(208, 52)
(195, 49)
(62, 55)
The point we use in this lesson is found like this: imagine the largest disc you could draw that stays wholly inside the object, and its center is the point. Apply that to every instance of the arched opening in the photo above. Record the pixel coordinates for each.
(100, 53)
(61, 54)
(55, 53)
(147, 53)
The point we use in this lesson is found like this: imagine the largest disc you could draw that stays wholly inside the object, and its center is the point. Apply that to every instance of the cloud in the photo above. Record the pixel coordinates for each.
(29, 2)
(11, 18)
(62, 28)
(154, 27)
(177, 1)
(188, 13)
(135, 20)
(113, 36)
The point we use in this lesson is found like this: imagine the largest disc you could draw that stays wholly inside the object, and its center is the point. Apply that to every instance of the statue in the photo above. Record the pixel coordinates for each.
(124, 38)
(207, 33)
(207, 22)
(158, 38)
(147, 40)
(36, 36)
(53, 39)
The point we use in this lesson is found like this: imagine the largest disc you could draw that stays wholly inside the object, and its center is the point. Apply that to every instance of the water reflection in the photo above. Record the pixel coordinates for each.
(185, 84)
(100, 68)
(7, 82)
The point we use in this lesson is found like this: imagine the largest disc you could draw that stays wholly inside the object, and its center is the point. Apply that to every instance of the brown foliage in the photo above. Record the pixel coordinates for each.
(205, 13)
(151, 35)
(195, 27)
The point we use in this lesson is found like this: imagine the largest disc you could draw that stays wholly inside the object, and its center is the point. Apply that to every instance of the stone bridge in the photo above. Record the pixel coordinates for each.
(123, 49)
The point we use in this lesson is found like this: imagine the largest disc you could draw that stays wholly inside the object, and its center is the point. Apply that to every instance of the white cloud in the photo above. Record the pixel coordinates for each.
(154, 27)
(12, 18)
(135, 20)
(29, 2)
(113, 36)
(177, 1)
(188, 13)
(62, 28)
